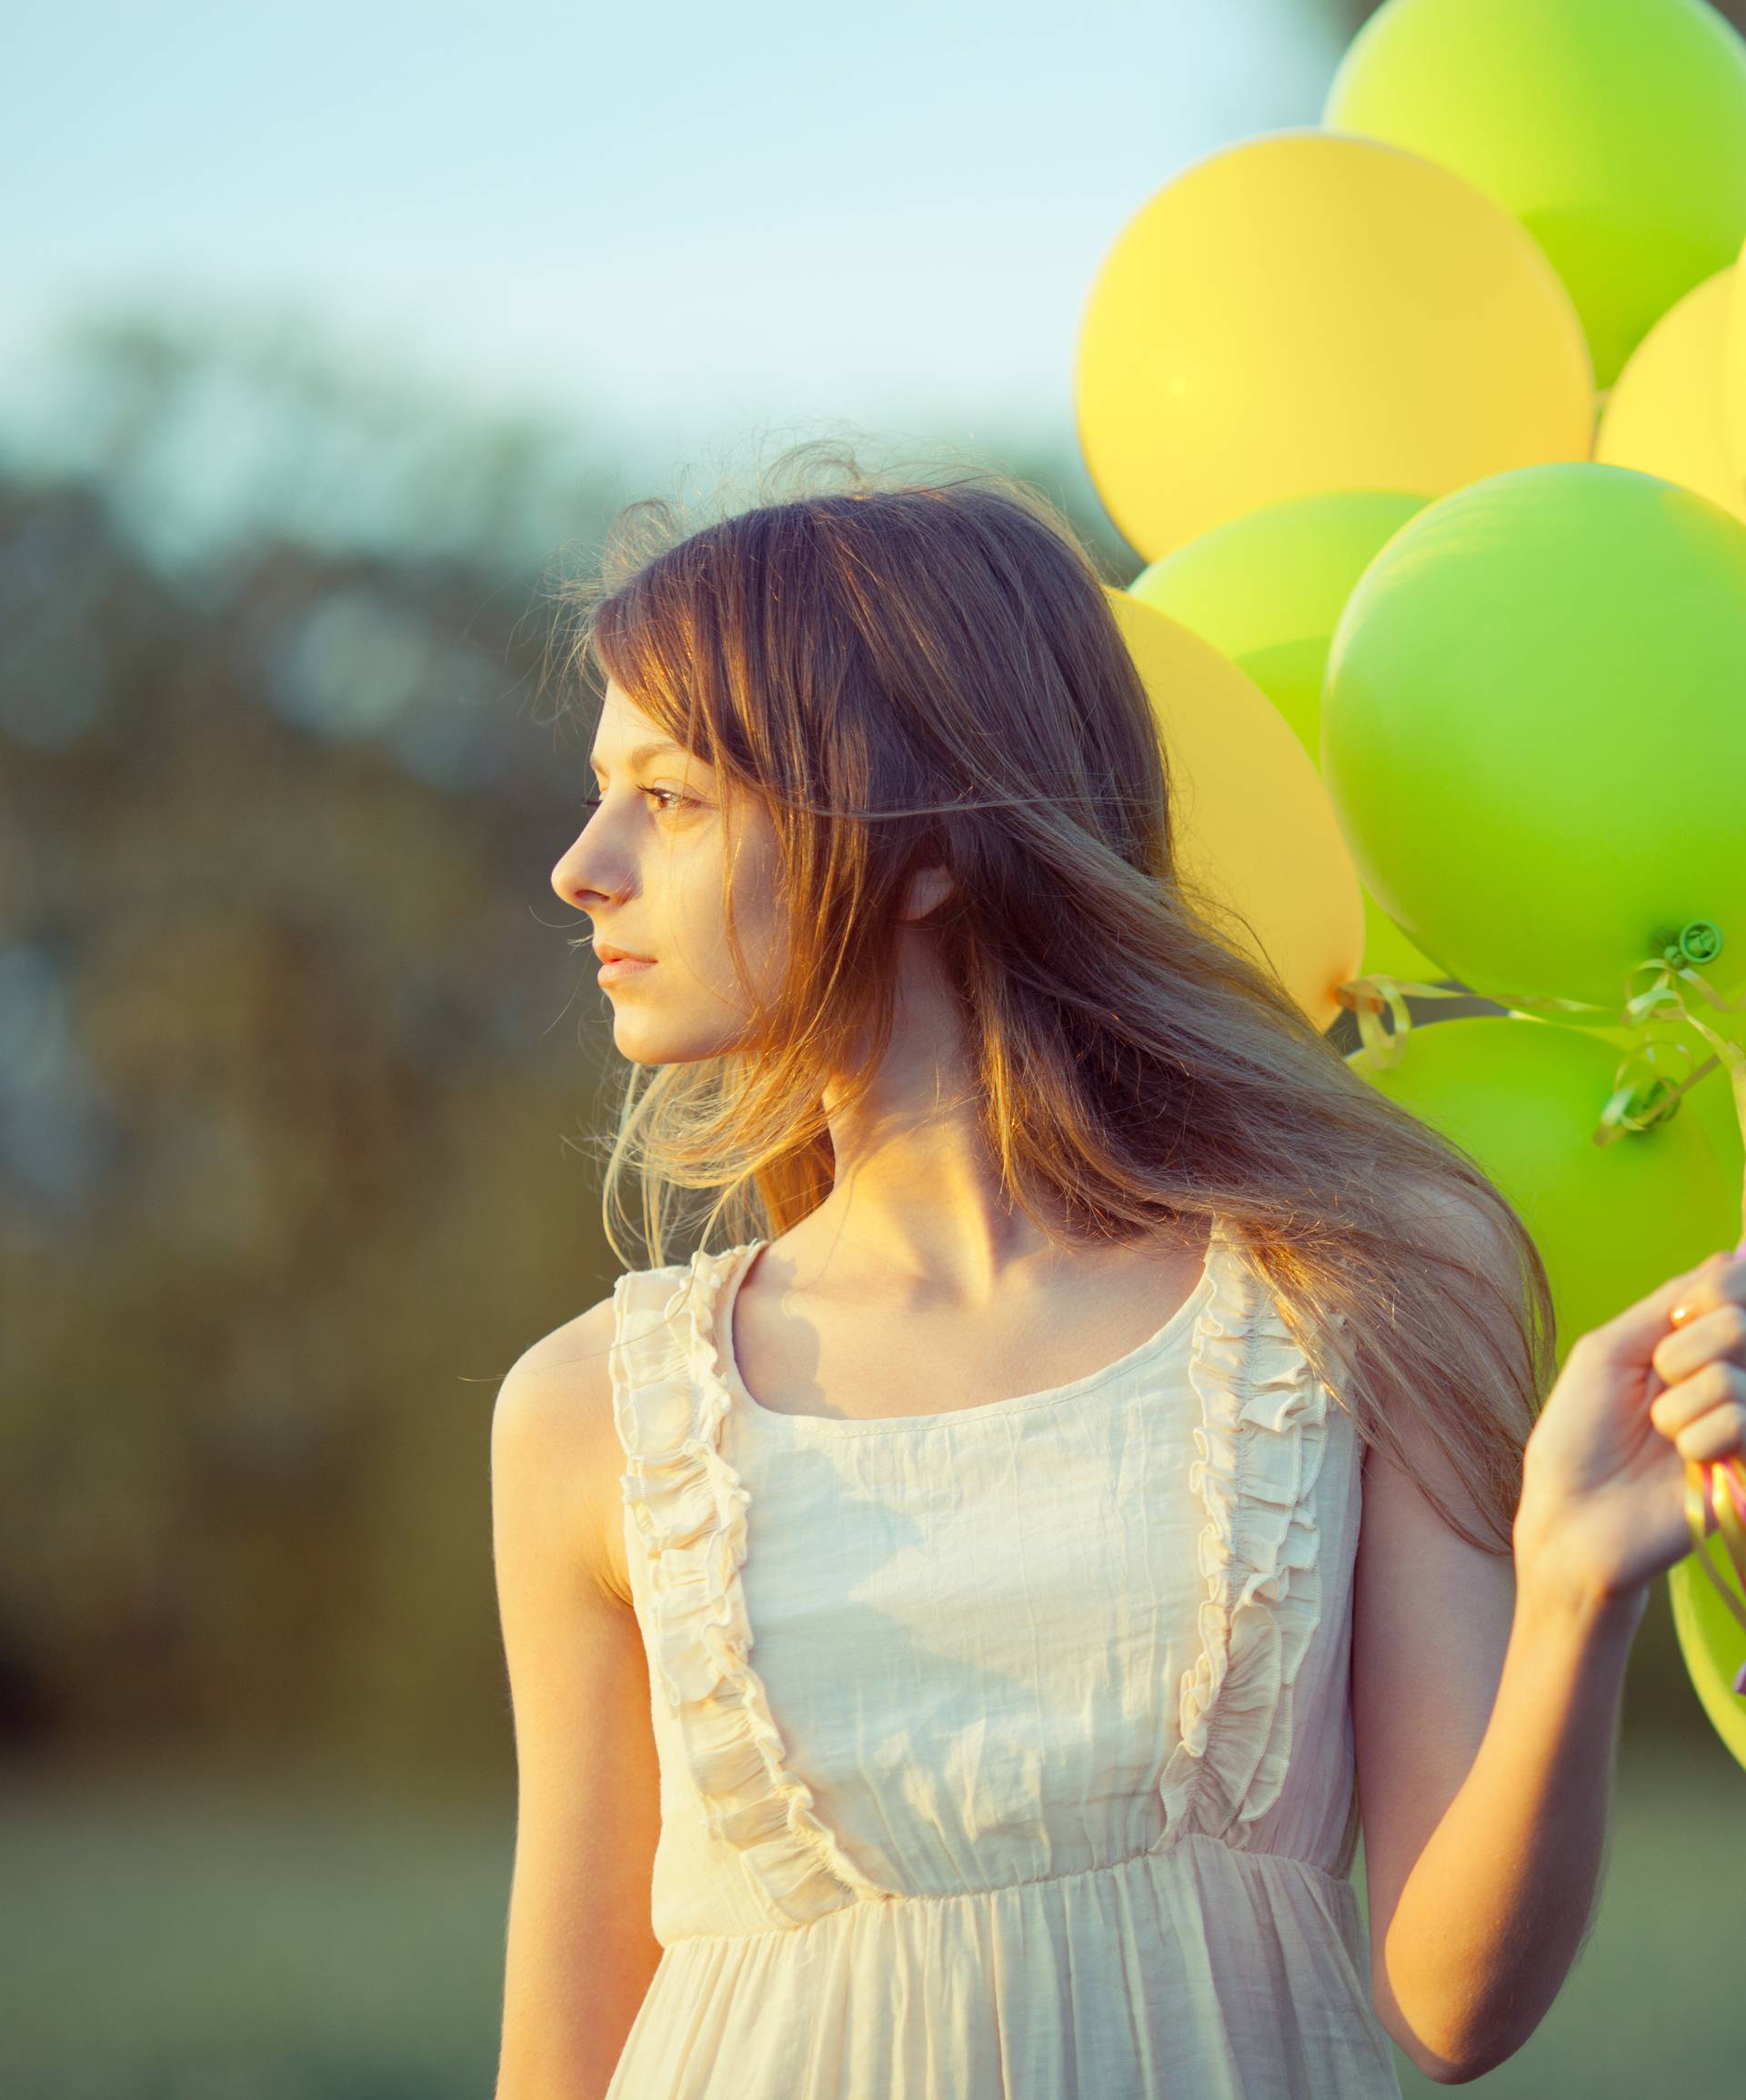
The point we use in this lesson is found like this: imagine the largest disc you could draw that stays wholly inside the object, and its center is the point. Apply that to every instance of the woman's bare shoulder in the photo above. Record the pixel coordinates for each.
(554, 1436)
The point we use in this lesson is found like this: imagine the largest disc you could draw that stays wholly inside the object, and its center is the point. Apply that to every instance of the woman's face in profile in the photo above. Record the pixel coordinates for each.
(648, 869)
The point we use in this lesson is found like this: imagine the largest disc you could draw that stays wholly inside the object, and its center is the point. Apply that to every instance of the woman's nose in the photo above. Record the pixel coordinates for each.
(577, 882)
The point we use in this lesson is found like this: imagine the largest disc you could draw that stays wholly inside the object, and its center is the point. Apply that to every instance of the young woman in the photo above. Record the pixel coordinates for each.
(950, 1628)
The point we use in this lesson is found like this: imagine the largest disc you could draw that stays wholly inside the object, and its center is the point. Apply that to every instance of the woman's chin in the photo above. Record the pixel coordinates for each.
(646, 1040)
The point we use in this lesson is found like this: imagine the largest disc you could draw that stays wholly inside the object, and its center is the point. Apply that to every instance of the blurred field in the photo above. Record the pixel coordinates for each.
(171, 1939)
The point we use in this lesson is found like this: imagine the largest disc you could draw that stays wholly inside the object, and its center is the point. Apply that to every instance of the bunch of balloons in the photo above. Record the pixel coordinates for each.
(1429, 422)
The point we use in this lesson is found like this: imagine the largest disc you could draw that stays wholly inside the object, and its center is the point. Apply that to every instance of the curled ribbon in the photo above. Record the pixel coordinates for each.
(1640, 1098)
(1725, 1492)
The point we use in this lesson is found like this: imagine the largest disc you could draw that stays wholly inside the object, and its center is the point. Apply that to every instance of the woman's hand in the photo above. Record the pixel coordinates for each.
(1602, 1506)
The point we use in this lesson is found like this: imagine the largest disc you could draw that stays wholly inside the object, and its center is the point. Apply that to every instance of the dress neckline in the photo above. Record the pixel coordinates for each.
(737, 1264)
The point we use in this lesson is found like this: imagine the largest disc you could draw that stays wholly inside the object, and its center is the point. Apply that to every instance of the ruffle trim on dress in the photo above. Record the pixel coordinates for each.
(670, 1399)
(1260, 1440)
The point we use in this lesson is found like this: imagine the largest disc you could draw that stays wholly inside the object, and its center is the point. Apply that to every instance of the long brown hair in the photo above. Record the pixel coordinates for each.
(910, 673)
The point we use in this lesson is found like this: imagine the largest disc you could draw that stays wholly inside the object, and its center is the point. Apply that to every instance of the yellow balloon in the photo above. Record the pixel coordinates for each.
(1309, 311)
(1267, 591)
(1256, 828)
(1614, 130)
(1733, 373)
(1664, 413)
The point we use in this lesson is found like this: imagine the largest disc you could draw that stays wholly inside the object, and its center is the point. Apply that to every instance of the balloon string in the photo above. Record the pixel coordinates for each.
(1640, 1098)
(1725, 1493)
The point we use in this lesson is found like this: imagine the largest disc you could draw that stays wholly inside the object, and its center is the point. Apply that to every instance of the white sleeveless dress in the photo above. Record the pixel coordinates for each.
(1041, 1784)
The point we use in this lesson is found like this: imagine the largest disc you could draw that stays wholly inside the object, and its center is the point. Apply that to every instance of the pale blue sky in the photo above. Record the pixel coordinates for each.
(692, 218)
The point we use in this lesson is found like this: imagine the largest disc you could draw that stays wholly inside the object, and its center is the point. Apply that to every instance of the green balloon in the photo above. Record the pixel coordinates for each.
(1711, 1099)
(1267, 590)
(1388, 952)
(1613, 130)
(1711, 1640)
(1534, 731)
(1612, 1221)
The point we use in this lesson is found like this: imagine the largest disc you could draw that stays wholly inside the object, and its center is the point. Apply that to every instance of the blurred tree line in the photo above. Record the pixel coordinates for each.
(294, 1155)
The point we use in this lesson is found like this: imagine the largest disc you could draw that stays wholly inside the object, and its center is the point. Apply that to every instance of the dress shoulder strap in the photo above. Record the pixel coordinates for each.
(1261, 1437)
(687, 1510)
(653, 1351)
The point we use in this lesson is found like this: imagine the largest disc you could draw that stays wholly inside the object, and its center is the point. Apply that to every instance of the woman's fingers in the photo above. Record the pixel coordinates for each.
(1703, 1336)
(1721, 1433)
(1704, 1415)
(1716, 1280)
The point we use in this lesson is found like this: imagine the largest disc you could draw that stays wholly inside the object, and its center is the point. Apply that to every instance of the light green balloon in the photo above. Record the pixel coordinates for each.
(1711, 1640)
(1711, 1100)
(1612, 1223)
(1534, 731)
(1613, 130)
(1388, 952)
(1267, 589)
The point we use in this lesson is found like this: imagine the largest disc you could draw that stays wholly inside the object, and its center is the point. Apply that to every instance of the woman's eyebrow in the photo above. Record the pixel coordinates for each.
(643, 751)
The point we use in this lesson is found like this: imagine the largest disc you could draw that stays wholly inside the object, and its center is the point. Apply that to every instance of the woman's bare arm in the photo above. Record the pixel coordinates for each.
(580, 1950)
(1486, 1716)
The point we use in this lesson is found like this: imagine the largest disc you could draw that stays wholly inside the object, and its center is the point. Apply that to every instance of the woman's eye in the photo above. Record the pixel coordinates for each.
(665, 799)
